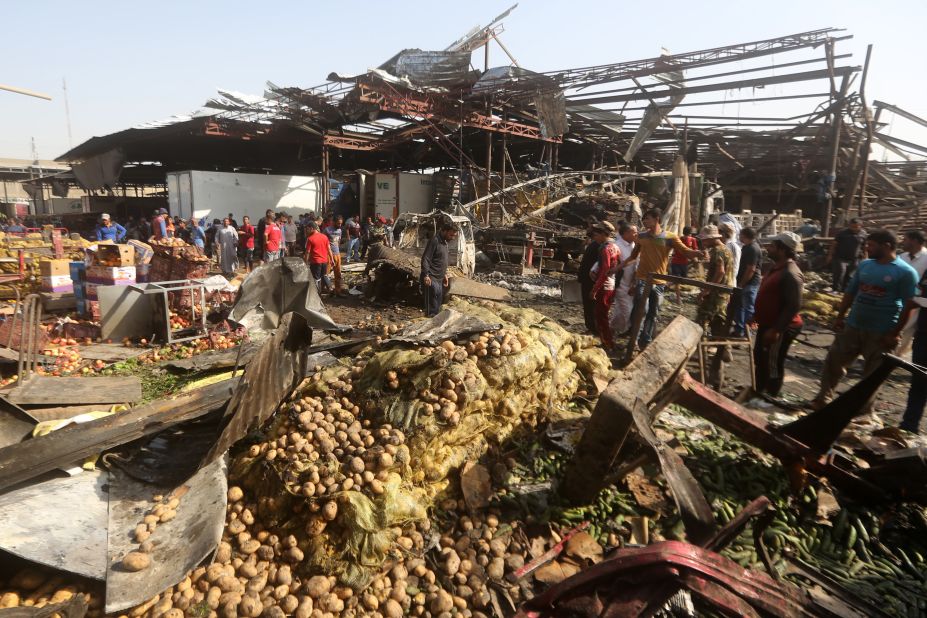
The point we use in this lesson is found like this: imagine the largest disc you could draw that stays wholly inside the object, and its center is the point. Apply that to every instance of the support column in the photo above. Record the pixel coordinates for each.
(835, 152)
(325, 173)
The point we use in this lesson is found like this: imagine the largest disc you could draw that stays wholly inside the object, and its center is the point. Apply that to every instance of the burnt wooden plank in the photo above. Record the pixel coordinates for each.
(29, 459)
(51, 390)
(643, 380)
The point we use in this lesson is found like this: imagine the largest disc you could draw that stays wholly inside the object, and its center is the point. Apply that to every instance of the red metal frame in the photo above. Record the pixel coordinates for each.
(420, 105)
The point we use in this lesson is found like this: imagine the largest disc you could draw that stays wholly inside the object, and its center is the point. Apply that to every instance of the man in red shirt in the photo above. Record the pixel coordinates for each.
(776, 312)
(273, 238)
(318, 256)
(246, 241)
(679, 263)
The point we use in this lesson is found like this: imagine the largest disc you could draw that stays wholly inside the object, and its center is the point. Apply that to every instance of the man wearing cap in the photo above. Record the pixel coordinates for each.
(158, 226)
(603, 289)
(107, 230)
(712, 307)
(877, 298)
(776, 312)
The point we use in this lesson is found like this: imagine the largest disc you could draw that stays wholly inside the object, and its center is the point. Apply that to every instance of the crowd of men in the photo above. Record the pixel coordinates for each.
(322, 241)
(882, 286)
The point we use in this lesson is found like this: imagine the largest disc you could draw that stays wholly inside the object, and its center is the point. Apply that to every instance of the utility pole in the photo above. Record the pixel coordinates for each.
(835, 152)
(67, 111)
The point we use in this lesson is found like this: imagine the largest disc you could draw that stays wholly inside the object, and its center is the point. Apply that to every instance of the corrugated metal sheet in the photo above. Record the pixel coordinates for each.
(445, 69)
(551, 109)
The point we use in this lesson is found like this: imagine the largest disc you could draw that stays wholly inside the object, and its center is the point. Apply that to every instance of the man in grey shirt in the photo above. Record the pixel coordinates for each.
(289, 235)
(434, 277)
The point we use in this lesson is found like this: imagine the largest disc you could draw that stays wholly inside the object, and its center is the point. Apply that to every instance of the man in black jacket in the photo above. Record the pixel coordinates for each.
(590, 257)
(434, 277)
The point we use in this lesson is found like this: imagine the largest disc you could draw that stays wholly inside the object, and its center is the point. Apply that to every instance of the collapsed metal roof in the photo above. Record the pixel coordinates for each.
(431, 109)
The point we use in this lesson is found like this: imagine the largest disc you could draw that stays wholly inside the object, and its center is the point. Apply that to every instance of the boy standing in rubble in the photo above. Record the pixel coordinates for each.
(624, 280)
(877, 298)
(603, 289)
(653, 249)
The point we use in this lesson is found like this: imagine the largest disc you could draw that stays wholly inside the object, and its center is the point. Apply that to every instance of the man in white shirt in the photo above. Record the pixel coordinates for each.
(730, 241)
(624, 303)
(914, 254)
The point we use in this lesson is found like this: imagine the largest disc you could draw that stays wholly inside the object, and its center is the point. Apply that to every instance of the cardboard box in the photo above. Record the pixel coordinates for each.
(55, 268)
(59, 289)
(56, 281)
(96, 272)
(115, 255)
(143, 252)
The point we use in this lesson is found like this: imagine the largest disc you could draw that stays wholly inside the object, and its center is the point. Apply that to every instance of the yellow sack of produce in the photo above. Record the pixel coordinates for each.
(46, 427)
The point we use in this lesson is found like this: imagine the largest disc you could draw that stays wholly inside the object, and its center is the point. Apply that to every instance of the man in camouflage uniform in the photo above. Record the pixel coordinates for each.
(712, 309)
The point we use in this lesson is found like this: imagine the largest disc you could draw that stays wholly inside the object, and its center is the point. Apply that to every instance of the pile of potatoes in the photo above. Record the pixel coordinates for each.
(322, 449)
(163, 511)
(38, 588)
(257, 573)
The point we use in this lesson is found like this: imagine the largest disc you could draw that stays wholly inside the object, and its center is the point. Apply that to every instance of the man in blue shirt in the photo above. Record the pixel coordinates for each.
(107, 230)
(877, 299)
(197, 233)
(15, 227)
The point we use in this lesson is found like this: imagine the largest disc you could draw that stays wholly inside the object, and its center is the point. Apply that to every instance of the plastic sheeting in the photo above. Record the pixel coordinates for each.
(449, 324)
(280, 287)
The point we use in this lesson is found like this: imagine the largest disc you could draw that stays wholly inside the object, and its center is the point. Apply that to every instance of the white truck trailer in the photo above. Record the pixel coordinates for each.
(214, 195)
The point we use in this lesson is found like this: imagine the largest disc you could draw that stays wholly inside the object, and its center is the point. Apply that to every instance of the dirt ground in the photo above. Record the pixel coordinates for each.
(803, 367)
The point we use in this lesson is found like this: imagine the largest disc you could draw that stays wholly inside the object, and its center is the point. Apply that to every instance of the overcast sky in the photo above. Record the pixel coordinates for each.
(132, 62)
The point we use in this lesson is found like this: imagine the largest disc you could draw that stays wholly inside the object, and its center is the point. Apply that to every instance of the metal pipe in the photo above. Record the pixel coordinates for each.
(744, 83)
(28, 93)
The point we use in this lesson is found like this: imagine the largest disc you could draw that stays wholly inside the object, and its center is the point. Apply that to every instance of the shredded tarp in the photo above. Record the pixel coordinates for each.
(448, 324)
(281, 287)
